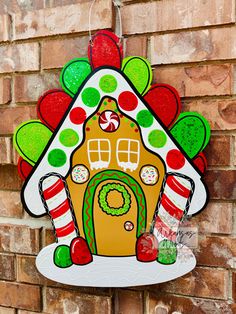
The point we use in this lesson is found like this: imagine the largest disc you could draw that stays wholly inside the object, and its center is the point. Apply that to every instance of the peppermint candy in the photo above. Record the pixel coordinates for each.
(109, 121)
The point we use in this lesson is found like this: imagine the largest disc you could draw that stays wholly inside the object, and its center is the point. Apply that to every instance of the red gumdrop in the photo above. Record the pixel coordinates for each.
(175, 159)
(24, 168)
(147, 248)
(105, 50)
(200, 162)
(52, 106)
(79, 251)
(164, 100)
(77, 115)
(127, 101)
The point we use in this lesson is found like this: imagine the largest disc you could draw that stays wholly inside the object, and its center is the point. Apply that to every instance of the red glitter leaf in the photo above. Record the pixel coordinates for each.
(165, 102)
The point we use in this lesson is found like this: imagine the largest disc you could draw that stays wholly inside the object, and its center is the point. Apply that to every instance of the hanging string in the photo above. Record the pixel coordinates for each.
(117, 5)
(120, 21)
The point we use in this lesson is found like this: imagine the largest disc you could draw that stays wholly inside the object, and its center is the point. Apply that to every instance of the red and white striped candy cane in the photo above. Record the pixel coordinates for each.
(173, 205)
(56, 199)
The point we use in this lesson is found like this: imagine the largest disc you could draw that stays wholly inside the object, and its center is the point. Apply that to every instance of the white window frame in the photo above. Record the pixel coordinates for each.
(128, 165)
(99, 164)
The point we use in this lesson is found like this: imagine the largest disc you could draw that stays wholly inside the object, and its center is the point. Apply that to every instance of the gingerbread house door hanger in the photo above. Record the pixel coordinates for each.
(117, 168)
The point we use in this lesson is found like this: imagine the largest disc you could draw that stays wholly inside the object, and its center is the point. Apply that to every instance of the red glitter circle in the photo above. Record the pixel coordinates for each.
(175, 159)
(77, 115)
(128, 101)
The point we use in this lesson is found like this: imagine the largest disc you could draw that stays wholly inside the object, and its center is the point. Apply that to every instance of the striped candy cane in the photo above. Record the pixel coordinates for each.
(56, 199)
(173, 205)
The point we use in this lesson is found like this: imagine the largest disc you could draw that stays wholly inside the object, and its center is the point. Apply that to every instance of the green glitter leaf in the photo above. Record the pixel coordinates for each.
(139, 71)
(30, 139)
(192, 132)
(73, 75)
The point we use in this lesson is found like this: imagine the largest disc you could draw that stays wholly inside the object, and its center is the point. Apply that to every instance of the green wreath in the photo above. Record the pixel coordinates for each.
(102, 199)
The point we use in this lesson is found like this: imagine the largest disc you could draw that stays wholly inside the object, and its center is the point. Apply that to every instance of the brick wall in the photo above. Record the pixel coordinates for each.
(192, 46)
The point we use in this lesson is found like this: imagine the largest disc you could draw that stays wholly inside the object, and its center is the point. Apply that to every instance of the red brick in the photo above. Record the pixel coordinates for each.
(5, 310)
(64, 50)
(27, 271)
(201, 282)
(19, 239)
(5, 90)
(4, 27)
(218, 151)
(193, 46)
(20, 57)
(6, 150)
(57, 3)
(234, 285)
(172, 304)
(197, 80)
(20, 296)
(216, 251)
(7, 267)
(28, 312)
(62, 20)
(49, 237)
(234, 156)
(65, 301)
(175, 14)
(136, 46)
(14, 6)
(129, 302)
(13, 116)
(10, 204)
(215, 218)
(9, 178)
(29, 88)
(221, 184)
(220, 113)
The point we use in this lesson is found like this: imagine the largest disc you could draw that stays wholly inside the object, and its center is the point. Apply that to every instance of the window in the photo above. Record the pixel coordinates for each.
(99, 153)
(127, 153)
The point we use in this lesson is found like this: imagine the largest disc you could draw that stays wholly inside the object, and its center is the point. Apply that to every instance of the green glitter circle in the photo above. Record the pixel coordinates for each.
(62, 256)
(57, 157)
(68, 138)
(167, 252)
(144, 118)
(90, 96)
(73, 74)
(108, 83)
(102, 198)
(157, 138)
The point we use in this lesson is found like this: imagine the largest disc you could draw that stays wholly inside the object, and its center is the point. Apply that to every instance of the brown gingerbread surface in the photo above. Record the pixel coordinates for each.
(113, 155)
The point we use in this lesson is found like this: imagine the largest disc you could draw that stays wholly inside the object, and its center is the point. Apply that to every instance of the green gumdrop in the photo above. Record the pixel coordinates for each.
(90, 96)
(73, 75)
(192, 132)
(167, 252)
(57, 157)
(108, 83)
(62, 256)
(69, 137)
(30, 139)
(145, 118)
(157, 138)
(139, 71)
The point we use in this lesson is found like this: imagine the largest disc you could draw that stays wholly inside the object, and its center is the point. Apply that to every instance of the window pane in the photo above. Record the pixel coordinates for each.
(93, 145)
(123, 145)
(104, 145)
(105, 156)
(133, 157)
(133, 146)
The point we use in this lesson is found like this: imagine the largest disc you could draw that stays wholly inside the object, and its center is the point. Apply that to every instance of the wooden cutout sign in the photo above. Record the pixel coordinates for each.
(116, 169)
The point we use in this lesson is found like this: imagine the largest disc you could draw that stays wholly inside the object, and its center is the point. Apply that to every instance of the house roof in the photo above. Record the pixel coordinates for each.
(57, 155)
